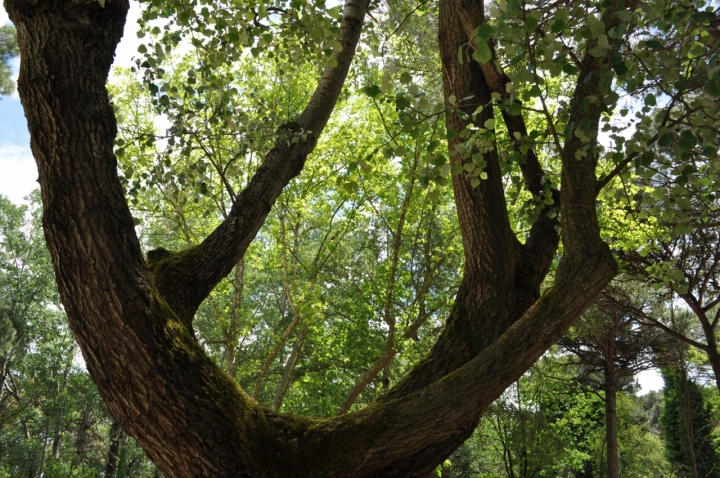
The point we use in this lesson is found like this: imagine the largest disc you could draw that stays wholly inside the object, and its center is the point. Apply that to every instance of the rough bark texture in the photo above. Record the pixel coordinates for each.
(132, 318)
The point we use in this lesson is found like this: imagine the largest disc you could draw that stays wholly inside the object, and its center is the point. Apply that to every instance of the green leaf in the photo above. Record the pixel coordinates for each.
(558, 26)
(650, 100)
(405, 78)
(570, 69)
(484, 31)
(713, 87)
(489, 124)
(372, 91)
(625, 16)
(531, 24)
(514, 109)
(482, 54)
(701, 16)
(665, 139)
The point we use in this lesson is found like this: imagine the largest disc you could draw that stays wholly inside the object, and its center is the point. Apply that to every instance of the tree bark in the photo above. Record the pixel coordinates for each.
(57, 434)
(133, 319)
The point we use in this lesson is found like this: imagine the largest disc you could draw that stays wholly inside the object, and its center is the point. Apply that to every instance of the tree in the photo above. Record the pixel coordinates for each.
(688, 425)
(694, 261)
(8, 51)
(607, 342)
(133, 316)
(551, 424)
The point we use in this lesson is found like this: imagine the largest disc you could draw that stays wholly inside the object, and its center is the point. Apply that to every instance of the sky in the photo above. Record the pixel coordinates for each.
(18, 173)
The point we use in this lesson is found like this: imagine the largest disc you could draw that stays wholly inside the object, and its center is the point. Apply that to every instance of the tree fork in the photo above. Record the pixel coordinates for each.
(188, 415)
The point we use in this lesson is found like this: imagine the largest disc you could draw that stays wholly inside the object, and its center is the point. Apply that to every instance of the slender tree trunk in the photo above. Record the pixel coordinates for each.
(687, 417)
(714, 359)
(297, 318)
(610, 379)
(57, 435)
(389, 351)
(3, 376)
(111, 464)
(41, 467)
(712, 346)
(82, 437)
(231, 335)
(611, 439)
(290, 368)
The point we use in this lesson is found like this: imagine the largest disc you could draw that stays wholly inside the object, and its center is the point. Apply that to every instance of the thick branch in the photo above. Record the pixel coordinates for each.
(186, 278)
(579, 157)
(543, 240)
(472, 16)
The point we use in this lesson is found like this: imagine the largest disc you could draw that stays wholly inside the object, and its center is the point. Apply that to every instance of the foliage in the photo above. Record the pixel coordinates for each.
(347, 284)
(52, 420)
(8, 50)
(689, 425)
(549, 424)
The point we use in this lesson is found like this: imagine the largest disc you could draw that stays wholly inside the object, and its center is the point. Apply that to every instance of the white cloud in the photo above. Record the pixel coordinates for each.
(3, 15)
(650, 381)
(18, 173)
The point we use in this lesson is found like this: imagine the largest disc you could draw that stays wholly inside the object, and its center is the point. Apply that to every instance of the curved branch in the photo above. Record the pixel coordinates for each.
(185, 278)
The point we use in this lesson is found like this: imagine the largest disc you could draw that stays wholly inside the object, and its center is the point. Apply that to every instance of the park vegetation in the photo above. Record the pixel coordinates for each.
(373, 239)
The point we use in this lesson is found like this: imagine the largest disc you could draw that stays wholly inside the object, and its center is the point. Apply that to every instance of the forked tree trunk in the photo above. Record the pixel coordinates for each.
(132, 318)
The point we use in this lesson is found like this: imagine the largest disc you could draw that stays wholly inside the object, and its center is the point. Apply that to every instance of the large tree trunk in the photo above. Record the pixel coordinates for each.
(133, 318)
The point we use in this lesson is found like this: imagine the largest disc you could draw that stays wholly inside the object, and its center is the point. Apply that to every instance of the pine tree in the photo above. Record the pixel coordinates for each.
(687, 414)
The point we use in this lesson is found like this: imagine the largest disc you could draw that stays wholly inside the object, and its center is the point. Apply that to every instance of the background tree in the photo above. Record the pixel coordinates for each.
(689, 425)
(8, 50)
(610, 349)
(555, 427)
